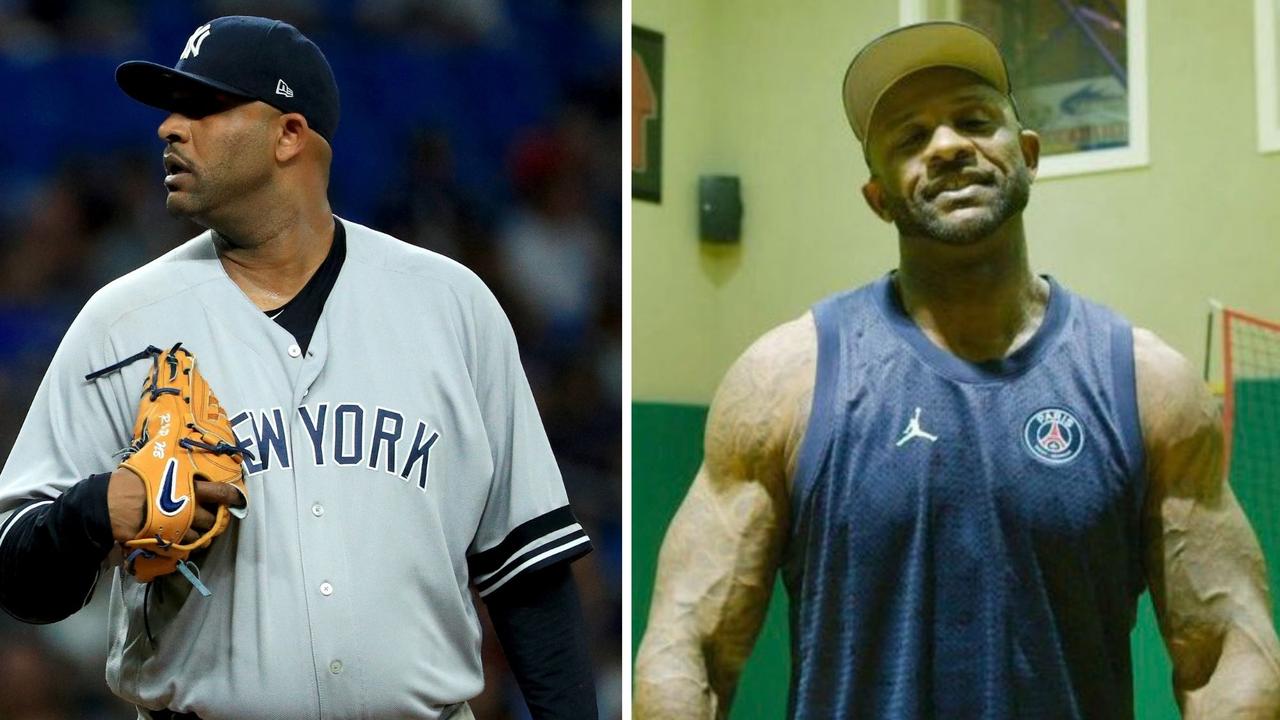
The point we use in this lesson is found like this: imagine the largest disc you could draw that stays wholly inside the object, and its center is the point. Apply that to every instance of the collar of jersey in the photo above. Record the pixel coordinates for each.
(957, 368)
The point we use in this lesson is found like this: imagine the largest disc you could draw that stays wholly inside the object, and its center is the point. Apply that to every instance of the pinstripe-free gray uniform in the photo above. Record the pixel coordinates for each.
(399, 462)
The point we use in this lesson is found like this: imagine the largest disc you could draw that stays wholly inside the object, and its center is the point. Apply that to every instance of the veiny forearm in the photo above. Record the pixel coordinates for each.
(715, 574)
(671, 674)
(1245, 683)
(671, 680)
(720, 556)
(1218, 612)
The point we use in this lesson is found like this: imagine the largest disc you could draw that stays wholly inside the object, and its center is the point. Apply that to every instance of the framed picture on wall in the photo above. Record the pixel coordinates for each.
(646, 114)
(1266, 73)
(1078, 70)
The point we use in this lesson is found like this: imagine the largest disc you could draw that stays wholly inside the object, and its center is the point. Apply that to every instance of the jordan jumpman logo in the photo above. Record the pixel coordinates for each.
(913, 431)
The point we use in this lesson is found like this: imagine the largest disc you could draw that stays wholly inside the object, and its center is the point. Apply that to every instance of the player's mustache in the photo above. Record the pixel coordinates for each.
(957, 179)
(173, 161)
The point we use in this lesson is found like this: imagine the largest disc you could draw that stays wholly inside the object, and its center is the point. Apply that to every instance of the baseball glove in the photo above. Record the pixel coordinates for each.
(181, 434)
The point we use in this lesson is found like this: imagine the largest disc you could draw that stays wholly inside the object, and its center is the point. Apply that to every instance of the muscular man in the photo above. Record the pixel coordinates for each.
(394, 456)
(965, 473)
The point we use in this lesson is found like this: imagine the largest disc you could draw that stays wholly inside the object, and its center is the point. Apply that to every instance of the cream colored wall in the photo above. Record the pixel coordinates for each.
(679, 320)
(752, 89)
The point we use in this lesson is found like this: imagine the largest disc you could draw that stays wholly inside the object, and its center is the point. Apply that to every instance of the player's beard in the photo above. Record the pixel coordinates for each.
(222, 184)
(920, 217)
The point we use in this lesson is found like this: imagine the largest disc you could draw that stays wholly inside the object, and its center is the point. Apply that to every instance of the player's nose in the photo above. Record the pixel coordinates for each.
(175, 128)
(947, 144)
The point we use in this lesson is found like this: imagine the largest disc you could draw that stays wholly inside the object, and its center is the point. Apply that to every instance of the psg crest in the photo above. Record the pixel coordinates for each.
(1053, 436)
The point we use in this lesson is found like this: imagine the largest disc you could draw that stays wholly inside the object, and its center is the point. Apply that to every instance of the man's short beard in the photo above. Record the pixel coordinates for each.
(918, 219)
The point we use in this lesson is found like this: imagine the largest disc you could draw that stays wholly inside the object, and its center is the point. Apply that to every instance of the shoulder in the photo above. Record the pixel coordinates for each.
(426, 276)
(1180, 418)
(761, 405)
(778, 356)
(1171, 395)
(177, 271)
(411, 276)
(388, 254)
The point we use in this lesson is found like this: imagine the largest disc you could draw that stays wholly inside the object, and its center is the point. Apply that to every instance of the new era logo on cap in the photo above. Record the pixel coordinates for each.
(282, 88)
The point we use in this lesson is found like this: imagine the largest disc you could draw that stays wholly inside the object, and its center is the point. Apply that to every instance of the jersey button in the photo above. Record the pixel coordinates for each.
(335, 667)
(326, 589)
(317, 509)
(294, 351)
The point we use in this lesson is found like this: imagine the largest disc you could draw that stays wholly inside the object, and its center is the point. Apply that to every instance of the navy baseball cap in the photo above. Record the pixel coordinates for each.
(244, 57)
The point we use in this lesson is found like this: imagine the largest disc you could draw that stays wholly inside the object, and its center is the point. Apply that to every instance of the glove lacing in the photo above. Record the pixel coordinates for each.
(189, 569)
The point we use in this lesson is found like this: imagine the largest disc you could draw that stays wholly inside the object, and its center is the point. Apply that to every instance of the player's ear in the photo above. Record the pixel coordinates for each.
(873, 193)
(292, 137)
(1030, 143)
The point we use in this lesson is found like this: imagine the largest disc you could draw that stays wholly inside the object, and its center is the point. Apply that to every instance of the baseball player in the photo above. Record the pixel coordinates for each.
(965, 473)
(392, 458)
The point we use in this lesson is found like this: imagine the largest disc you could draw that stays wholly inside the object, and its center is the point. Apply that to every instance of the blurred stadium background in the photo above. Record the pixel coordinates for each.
(487, 130)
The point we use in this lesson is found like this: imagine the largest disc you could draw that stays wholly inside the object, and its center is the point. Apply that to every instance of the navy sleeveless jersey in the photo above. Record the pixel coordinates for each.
(965, 536)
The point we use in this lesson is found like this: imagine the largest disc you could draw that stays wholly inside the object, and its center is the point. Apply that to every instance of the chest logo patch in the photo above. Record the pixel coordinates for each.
(1053, 436)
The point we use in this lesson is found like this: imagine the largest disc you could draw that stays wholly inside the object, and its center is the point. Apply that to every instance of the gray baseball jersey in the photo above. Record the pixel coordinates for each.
(397, 463)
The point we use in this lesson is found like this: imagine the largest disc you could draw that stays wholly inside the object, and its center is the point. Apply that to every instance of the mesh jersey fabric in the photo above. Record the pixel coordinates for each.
(992, 571)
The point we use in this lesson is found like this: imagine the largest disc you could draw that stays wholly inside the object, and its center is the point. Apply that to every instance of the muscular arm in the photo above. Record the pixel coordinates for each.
(1206, 572)
(722, 550)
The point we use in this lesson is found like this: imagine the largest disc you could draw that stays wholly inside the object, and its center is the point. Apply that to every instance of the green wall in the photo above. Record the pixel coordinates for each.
(1255, 466)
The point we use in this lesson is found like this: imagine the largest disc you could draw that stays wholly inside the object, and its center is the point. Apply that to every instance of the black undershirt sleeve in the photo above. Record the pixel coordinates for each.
(538, 619)
(51, 552)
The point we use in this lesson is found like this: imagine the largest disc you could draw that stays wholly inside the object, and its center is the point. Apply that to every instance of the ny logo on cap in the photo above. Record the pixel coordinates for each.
(194, 42)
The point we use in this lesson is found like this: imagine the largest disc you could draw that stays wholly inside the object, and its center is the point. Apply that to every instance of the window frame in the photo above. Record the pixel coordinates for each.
(1265, 75)
(1134, 155)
